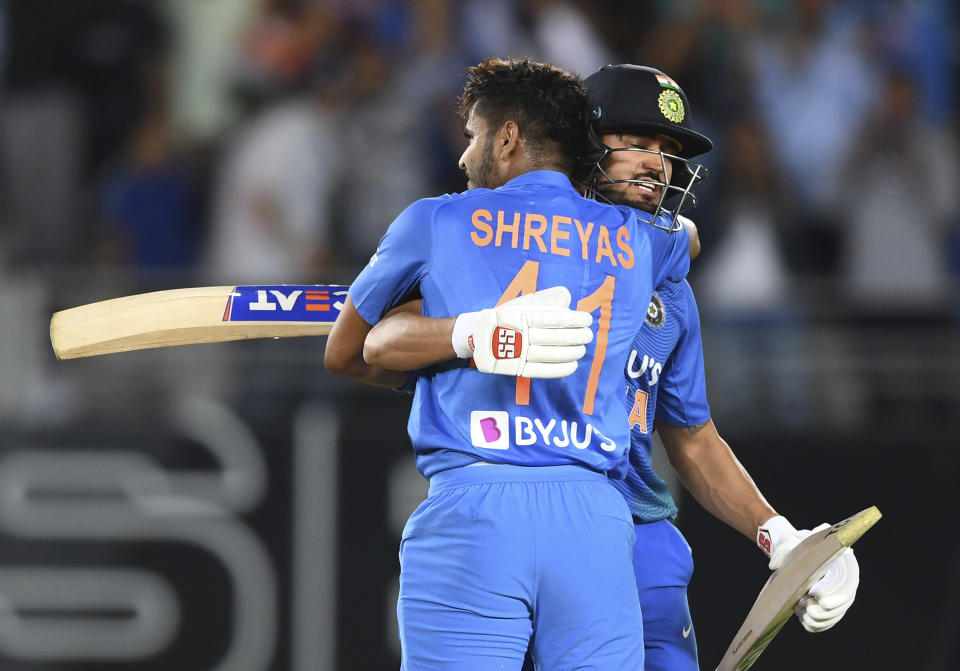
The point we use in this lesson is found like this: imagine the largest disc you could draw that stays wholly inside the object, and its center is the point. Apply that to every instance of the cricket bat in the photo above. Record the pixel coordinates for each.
(195, 315)
(783, 590)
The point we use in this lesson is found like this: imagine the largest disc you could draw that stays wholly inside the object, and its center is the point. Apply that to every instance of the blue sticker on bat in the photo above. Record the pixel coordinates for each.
(285, 302)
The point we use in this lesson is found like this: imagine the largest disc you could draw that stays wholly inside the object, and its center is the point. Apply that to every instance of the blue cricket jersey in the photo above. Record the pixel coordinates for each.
(472, 250)
(664, 381)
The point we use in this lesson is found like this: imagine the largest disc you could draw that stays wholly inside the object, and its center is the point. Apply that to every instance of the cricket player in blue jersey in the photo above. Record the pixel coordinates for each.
(641, 118)
(522, 531)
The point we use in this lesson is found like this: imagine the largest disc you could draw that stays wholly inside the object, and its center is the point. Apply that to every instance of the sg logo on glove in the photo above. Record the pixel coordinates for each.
(534, 335)
(763, 540)
(507, 343)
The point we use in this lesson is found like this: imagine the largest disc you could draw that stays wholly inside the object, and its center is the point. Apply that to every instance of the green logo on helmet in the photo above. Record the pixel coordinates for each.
(671, 105)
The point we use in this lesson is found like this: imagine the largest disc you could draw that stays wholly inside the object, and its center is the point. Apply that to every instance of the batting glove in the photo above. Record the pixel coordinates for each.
(536, 335)
(829, 598)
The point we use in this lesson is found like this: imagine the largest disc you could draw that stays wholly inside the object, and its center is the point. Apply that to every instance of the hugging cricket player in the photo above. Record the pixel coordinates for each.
(642, 119)
(251, 317)
(217, 314)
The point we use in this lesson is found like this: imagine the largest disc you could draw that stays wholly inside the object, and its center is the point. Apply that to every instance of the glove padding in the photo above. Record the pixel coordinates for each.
(536, 335)
(828, 599)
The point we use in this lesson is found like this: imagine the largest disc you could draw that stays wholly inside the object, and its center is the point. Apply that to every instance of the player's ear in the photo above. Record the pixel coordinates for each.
(508, 140)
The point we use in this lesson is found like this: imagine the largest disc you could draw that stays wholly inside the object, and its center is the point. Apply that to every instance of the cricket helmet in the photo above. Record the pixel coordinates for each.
(638, 99)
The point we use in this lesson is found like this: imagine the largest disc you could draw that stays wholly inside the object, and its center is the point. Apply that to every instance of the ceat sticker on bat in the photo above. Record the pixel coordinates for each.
(270, 303)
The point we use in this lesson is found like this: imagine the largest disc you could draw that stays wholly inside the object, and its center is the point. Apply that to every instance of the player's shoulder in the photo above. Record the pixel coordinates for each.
(663, 227)
(602, 209)
(465, 199)
(677, 291)
(427, 207)
(507, 197)
(677, 299)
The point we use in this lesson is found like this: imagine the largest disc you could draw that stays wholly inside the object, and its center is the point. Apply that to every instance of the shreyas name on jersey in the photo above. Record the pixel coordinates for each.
(558, 235)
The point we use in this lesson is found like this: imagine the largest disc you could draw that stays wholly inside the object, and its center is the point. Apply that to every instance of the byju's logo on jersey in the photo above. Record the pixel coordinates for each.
(490, 429)
(507, 343)
(648, 366)
(656, 315)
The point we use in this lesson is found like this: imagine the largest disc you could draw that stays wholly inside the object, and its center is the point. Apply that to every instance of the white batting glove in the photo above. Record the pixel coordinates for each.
(828, 599)
(536, 335)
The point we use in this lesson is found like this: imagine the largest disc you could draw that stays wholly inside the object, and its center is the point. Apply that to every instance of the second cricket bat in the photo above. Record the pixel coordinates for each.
(196, 315)
(803, 566)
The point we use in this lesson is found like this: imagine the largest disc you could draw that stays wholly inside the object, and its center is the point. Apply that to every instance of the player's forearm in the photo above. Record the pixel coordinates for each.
(344, 352)
(405, 341)
(711, 472)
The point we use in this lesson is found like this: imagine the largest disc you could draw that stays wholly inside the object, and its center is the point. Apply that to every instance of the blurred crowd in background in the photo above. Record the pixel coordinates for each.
(266, 140)
(249, 141)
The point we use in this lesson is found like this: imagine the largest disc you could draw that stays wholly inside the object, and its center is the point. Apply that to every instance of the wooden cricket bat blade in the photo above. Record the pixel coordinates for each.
(774, 606)
(195, 315)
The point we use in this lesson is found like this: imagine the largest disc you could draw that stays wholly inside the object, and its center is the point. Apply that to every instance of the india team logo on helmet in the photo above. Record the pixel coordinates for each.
(671, 105)
(629, 98)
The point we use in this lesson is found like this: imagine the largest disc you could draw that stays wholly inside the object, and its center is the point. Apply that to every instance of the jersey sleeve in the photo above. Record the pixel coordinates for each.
(399, 263)
(669, 251)
(674, 254)
(682, 396)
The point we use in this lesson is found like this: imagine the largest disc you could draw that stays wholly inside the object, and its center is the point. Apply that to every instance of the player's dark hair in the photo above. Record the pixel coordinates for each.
(548, 103)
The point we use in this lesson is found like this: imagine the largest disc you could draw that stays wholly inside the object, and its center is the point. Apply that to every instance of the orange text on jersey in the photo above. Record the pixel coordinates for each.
(558, 234)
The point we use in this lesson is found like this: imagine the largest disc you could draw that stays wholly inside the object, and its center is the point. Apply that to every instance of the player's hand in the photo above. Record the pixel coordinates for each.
(693, 233)
(829, 598)
(536, 335)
